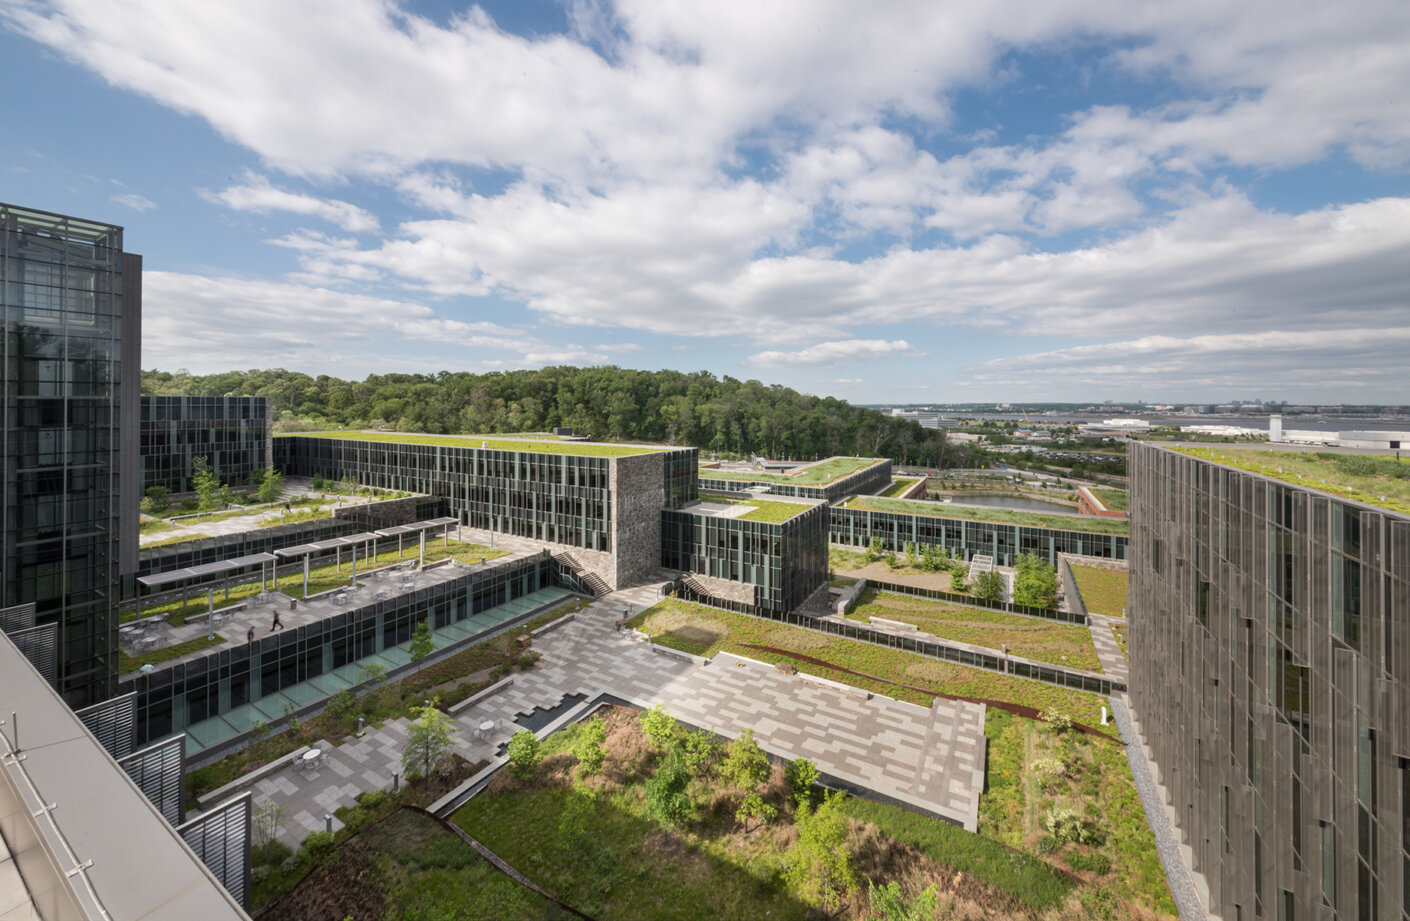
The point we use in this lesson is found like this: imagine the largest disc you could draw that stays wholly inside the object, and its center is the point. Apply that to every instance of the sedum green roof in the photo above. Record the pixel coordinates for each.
(765, 510)
(1376, 480)
(822, 473)
(1088, 523)
(493, 443)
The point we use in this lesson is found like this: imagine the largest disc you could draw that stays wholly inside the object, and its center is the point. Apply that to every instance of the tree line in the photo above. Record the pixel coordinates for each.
(607, 403)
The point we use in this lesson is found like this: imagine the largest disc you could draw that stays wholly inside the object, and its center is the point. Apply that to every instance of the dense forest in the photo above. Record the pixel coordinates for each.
(606, 403)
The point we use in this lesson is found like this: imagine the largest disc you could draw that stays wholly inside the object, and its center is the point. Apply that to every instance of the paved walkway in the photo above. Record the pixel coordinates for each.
(932, 758)
(1108, 650)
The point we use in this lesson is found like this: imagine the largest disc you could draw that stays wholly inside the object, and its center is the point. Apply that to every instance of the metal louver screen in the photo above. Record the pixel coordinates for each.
(221, 838)
(40, 646)
(19, 617)
(159, 771)
(111, 722)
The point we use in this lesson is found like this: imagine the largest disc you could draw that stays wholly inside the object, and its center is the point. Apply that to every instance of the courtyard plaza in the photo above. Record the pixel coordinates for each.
(198, 525)
(930, 759)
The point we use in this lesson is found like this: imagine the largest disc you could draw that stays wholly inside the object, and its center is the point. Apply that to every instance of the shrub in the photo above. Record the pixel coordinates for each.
(158, 500)
(1049, 771)
(888, 904)
(589, 747)
(801, 774)
(318, 481)
(525, 662)
(875, 550)
(666, 799)
(659, 726)
(290, 864)
(989, 586)
(1060, 720)
(1047, 844)
(524, 754)
(957, 583)
(318, 844)
(746, 767)
(1065, 824)
(340, 706)
(701, 749)
(260, 873)
(189, 505)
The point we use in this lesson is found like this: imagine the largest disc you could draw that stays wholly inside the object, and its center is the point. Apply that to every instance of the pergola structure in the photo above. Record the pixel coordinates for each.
(223, 568)
(420, 527)
(323, 546)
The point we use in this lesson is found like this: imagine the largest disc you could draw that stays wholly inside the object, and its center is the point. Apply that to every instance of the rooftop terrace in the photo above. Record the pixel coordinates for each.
(538, 444)
(767, 510)
(1087, 523)
(821, 473)
(1376, 480)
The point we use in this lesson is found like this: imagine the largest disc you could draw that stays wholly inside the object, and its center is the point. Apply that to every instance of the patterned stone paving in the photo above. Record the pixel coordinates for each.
(1108, 650)
(931, 758)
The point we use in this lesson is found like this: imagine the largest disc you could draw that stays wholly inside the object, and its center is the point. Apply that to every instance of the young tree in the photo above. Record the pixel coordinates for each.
(888, 904)
(875, 550)
(911, 558)
(746, 767)
(589, 747)
(524, 754)
(659, 726)
(1035, 584)
(372, 675)
(421, 642)
(754, 807)
(267, 821)
(818, 868)
(271, 488)
(666, 799)
(430, 739)
(802, 774)
(957, 583)
(204, 481)
(700, 751)
(989, 586)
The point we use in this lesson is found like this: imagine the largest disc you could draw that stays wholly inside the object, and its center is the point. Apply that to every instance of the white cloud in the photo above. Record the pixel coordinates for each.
(832, 354)
(135, 202)
(1297, 365)
(256, 194)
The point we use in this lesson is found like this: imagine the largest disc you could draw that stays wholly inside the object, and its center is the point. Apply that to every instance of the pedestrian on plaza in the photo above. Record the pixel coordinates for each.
(276, 625)
(250, 637)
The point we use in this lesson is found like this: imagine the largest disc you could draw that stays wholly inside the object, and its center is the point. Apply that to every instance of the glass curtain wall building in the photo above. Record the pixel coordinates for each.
(964, 538)
(231, 433)
(1270, 627)
(71, 300)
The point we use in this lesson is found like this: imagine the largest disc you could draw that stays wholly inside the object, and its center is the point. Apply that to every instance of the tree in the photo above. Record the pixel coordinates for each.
(754, 807)
(421, 642)
(818, 868)
(666, 799)
(430, 739)
(524, 754)
(157, 500)
(989, 586)
(911, 558)
(659, 726)
(700, 750)
(875, 550)
(957, 583)
(372, 675)
(271, 488)
(1035, 584)
(204, 481)
(745, 767)
(267, 821)
(589, 747)
(801, 775)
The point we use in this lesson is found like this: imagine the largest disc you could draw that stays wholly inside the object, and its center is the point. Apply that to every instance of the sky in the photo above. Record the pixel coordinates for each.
(884, 202)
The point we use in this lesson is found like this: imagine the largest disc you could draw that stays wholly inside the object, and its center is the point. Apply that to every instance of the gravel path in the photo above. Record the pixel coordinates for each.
(1182, 888)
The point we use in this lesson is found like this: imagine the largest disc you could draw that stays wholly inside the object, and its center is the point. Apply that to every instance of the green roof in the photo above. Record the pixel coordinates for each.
(1089, 523)
(765, 510)
(822, 473)
(1381, 481)
(546, 446)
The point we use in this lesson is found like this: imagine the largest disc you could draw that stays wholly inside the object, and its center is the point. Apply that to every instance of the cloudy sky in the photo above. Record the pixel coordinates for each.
(882, 201)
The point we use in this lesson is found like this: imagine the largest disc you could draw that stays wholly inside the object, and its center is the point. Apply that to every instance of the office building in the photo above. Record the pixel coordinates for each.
(232, 434)
(1270, 637)
(71, 299)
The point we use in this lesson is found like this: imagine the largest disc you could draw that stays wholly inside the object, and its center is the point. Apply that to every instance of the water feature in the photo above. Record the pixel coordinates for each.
(1017, 503)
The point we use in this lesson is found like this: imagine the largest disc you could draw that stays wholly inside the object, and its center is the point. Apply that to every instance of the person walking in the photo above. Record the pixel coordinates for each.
(276, 625)
(250, 637)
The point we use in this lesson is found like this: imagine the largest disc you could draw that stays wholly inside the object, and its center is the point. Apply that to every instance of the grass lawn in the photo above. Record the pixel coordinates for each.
(1087, 523)
(153, 525)
(898, 486)
(590, 842)
(1031, 638)
(321, 579)
(1103, 590)
(705, 631)
(178, 537)
(1095, 781)
(573, 448)
(765, 510)
(1114, 499)
(819, 474)
(127, 663)
(1380, 481)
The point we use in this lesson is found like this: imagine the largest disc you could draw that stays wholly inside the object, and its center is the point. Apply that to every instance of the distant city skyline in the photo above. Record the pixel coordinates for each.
(893, 203)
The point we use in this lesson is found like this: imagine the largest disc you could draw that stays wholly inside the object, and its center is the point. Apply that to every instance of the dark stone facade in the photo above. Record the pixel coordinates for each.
(1270, 663)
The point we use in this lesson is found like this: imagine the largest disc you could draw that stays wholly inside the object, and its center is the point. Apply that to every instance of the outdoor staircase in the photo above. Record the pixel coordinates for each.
(591, 582)
(981, 562)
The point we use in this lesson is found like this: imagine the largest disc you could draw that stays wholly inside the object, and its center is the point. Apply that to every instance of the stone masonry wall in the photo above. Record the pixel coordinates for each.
(638, 486)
